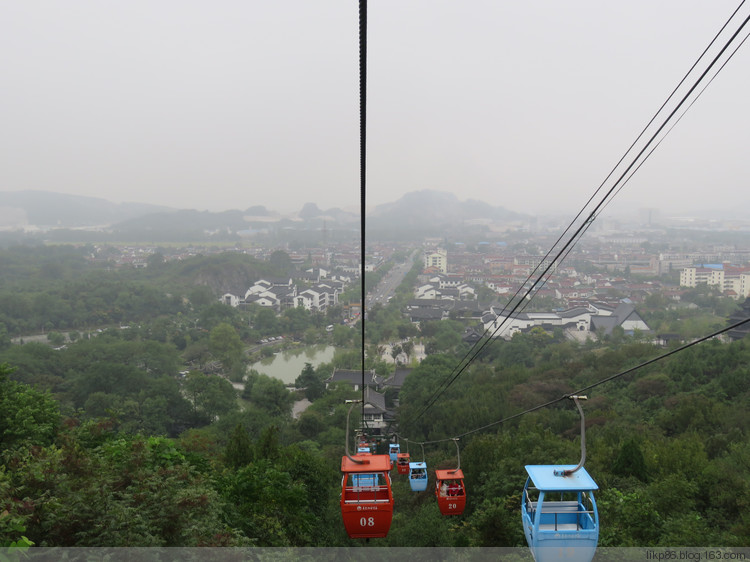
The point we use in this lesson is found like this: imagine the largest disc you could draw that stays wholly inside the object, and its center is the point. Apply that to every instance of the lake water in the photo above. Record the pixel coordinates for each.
(287, 365)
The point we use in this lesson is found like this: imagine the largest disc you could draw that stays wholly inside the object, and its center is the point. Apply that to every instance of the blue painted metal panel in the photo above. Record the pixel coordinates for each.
(418, 476)
(364, 479)
(560, 529)
(543, 477)
(393, 451)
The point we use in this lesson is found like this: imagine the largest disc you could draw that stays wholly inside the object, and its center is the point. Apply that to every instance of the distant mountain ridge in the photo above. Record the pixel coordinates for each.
(425, 210)
(49, 209)
(430, 209)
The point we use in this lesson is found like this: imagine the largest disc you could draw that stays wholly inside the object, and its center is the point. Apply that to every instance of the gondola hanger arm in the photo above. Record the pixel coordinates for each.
(346, 435)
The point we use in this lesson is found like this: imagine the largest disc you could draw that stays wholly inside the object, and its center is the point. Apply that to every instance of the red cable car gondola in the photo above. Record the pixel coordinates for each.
(450, 491)
(366, 495)
(449, 488)
(402, 463)
(367, 509)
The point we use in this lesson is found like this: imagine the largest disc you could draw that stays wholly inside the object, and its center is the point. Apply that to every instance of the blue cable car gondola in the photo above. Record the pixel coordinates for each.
(418, 476)
(558, 509)
(393, 450)
(559, 514)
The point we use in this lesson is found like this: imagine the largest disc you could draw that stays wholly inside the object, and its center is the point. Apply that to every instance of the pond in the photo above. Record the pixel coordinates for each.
(287, 365)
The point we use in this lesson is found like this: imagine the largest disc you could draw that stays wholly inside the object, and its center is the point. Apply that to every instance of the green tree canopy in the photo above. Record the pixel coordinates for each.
(27, 416)
(227, 347)
(271, 395)
(212, 396)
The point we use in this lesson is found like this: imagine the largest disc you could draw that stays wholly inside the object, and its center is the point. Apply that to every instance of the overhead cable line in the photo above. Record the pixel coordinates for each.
(630, 171)
(650, 152)
(526, 297)
(540, 280)
(589, 387)
(643, 132)
(697, 97)
(593, 216)
(362, 172)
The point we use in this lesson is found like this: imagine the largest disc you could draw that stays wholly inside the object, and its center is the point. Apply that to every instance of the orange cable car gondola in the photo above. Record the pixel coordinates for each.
(402, 463)
(450, 490)
(366, 495)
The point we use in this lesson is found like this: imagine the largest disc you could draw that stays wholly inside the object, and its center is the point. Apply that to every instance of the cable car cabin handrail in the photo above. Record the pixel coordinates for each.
(571, 506)
(366, 488)
(367, 494)
(559, 508)
(563, 526)
(570, 510)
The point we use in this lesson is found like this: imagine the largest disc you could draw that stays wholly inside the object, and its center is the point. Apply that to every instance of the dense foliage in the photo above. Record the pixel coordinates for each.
(158, 434)
(66, 288)
(668, 446)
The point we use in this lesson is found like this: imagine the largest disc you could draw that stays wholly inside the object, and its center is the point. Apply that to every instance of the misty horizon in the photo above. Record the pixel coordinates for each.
(526, 107)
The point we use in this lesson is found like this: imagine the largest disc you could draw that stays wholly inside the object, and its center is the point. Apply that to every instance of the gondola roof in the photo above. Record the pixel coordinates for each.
(544, 478)
(370, 463)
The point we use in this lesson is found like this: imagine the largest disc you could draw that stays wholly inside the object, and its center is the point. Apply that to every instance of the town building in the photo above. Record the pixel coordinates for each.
(733, 281)
(436, 259)
(498, 324)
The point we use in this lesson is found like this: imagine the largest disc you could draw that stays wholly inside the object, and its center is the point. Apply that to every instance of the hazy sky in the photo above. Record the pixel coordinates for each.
(232, 103)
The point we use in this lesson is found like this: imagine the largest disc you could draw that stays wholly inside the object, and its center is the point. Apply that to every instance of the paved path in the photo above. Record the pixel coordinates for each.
(416, 353)
(299, 407)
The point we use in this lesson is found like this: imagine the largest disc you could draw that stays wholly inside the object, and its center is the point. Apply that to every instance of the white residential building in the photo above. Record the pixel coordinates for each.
(578, 319)
(428, 291)
(734, 280)
(230, 299)
(319, 297)
(436, 258)
(271, 293)
(266, 300)
(701, 275)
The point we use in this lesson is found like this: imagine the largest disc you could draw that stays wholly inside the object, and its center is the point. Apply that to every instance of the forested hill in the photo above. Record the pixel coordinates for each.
(124, 451)
(440, 214)
(62, 288)
(152, 430)
(45, 208)
(68, 218)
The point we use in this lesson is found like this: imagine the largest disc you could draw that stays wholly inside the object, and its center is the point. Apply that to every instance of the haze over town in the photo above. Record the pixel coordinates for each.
(234, 104)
